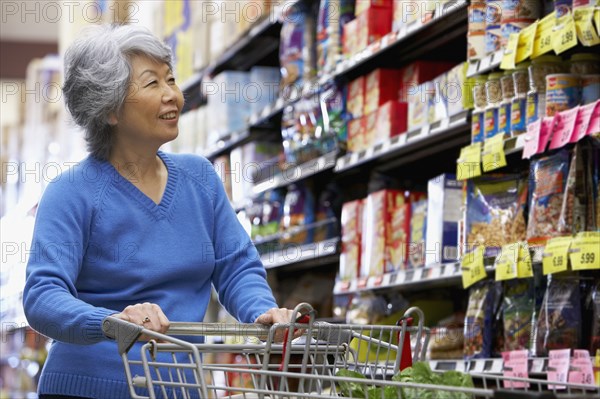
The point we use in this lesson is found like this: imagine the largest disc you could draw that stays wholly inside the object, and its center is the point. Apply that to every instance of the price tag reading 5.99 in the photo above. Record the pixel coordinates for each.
(585, 251)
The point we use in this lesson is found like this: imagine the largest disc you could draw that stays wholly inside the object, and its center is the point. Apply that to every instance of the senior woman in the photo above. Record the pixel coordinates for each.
(131, 231)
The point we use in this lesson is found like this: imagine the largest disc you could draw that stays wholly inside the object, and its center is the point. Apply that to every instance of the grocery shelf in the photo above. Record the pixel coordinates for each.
(295, 254)
(294, 230)
(409, 43)
(486, 64)
(227, 142)
(415, 144)
(297, 173)
(486, 366)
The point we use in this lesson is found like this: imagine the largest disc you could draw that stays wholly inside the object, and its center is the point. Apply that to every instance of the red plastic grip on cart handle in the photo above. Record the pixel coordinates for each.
(406, 360)
(303, 319)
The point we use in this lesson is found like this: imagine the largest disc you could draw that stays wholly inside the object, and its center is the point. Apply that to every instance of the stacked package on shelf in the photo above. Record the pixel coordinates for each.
(227, 106)
(350, 256)
(444, 194)
(263, 88)
(476, 31)
(373, 21)
(298, 210)
(419, 12)
(297, 49)
(333, 15)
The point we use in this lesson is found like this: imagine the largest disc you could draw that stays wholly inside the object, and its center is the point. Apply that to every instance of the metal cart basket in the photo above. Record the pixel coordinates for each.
(324, 361)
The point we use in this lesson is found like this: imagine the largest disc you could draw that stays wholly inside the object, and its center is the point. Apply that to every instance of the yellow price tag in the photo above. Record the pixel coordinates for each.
(526, 42)
(585, 26)
(493, 153)
(597, 364)
(510, 53)
(585, 251)
(506, 262)
(543, 36)
(524, 268)
(597, 22)
(469, 163)
(565, 34)
(472, 267)
(555, 258)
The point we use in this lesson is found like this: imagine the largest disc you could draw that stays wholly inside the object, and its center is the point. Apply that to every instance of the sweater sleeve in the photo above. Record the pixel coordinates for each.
(239, 275)
(58, 246)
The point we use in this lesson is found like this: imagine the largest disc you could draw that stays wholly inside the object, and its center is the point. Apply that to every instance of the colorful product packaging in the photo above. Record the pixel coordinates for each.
(356, 135)
(364, 5)
(381, 86)
(418, 230)
(419, 103)
(356, 97)
(373, 24)
(350, 39)
(444, 195)
(370, 129)
(351, 240)
(391, 120)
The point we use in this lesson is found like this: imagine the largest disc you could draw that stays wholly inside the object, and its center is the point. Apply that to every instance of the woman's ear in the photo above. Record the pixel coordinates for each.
(112, 119)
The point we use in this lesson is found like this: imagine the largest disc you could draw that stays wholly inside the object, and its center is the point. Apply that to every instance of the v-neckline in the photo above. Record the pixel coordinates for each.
(167, 197)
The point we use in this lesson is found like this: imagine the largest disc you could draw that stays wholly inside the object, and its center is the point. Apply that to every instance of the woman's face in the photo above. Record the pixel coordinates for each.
(152, 106)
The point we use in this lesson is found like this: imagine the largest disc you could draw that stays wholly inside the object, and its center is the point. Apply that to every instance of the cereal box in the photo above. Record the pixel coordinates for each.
(351, 240)
(381, 87)
(356, 135)
(356, 97)
(419, 102)
(370, 129)
(418, 73)
(418, 229)
(364, 5)
(444, 203)
(373, 24)
(350, 38)
(391, 120)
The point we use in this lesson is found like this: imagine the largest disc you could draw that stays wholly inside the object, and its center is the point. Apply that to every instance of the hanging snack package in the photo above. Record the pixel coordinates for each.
(298, 211)
(479, 320)
(548, 179)
(335, 116)
(496, 211)
(559, 321)
(517, 313)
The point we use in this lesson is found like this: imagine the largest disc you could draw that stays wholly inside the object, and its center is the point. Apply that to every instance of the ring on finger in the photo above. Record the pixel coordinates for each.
(146, 320)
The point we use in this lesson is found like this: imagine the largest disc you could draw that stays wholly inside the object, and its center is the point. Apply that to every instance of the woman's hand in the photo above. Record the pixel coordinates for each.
(147, 315)
(281, 316)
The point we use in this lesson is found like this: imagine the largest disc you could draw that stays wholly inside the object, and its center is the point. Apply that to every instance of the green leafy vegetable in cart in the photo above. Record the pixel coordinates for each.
(352, 389)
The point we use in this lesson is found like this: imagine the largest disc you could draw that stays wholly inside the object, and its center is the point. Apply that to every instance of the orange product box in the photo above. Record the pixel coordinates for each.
(364, 5)
(350, 38)
(391, 120)
(384, 232)
(351, 240)
(381, 86)
(418, 73)
(355, 102)
(373, 24)
(370, 129)
(356, 135)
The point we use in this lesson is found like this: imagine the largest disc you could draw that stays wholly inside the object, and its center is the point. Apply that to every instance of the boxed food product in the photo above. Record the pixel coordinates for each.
(381, 86)
(370, 129)
(418, 73)
(356, 135)
(356, 97)
(457, 93)
(373, 24)
(229, 110)
(262, 89)
(378, 247)
(364, 5)
(298, 210)
(444, 195)
(420, 101)
(418, 230)
(351, 240)
(391, 120)
(420, 11)
(350, 38)
(333, 15)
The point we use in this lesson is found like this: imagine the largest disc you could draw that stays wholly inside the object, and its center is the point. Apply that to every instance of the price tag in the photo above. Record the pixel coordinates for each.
(581, 371)
(469, 163)
(526, 42)
(558, 366)
(418, 276)
(493, 153)
(554, 259)
(524, 269)
(435, 272)
(543, 35)
(485, 63)
(585, 26)
(532, 139)
(472, 267)
(515, 366)
(545, 133)
(510, 54)
(565, 34)
(583, 120)
(386, 280)
(506, 262)
(585, 251)
(597, 23)
(563, 128)
(594, 124)
(597, 358)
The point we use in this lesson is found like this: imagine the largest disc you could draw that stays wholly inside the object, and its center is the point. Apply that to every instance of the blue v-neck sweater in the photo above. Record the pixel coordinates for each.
(100, 244)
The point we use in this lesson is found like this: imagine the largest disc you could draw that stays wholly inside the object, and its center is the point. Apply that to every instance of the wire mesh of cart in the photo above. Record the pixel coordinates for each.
(300, 359)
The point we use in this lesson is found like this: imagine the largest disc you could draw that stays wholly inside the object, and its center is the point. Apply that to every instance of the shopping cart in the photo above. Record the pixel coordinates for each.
(326, 361)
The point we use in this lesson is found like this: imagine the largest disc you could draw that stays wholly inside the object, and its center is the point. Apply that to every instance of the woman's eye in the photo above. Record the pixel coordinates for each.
(171, 80)
(150, 83)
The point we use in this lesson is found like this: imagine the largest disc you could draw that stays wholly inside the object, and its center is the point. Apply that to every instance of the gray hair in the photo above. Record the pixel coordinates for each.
(98, 74)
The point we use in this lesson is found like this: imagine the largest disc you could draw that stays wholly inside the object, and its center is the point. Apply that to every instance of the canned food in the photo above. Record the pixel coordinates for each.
(493, 90)
(515, 9)
(508, 87)
(493, 38)
(590, 88)
(513, 26)
(562, 92)
(533, 106)
(521, 79)
(490, 121)
(477, 17)
(477, 127)
(542, 66)
(479, 92)
(585, 64)
(504, 118)
(476, 45)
